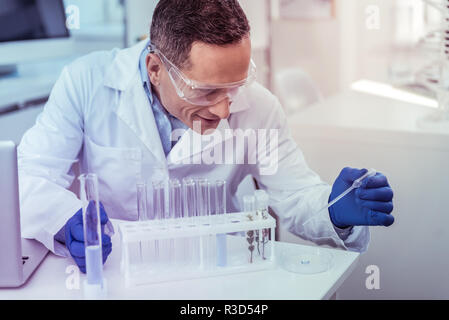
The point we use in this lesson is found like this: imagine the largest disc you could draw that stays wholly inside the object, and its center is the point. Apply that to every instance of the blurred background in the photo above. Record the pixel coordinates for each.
(363, 82)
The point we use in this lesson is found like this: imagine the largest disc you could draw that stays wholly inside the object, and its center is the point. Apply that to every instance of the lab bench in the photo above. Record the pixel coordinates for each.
(59, 278)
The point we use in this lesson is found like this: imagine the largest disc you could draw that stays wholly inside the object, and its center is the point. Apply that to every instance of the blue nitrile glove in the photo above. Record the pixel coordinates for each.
(370, 204)
(74, 237)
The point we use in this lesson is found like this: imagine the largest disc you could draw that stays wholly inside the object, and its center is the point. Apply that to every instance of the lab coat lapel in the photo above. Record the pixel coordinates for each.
(191, 145)
(135, 110)
(241, 102)
(133, 107)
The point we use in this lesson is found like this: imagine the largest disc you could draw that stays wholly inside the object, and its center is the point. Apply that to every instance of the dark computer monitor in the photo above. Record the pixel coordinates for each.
(30, 30)
(22, 20)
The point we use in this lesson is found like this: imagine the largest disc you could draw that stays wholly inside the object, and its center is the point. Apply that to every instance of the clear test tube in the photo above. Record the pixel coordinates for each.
(198, 199)
(249, 206)
(95, 284)
(249, 203)
(190, 209)
(159, 200)
(164, 217)
(175, 196)
(220, 209)
(190, 201)
(158, 212)
(203, 198)
(262, 236)
(142, 215)
(142, 212)
(262, 203)
(211, 238)
(220, 197)
(174, 211)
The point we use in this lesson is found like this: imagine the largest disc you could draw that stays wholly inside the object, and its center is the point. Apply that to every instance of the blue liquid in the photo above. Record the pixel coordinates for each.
(221, 250)
(94, 265)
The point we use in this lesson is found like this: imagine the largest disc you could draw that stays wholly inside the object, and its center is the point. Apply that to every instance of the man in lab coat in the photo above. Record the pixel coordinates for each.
(178, 107)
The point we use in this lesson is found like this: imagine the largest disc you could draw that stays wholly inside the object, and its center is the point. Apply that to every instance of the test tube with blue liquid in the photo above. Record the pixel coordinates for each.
(95, 284)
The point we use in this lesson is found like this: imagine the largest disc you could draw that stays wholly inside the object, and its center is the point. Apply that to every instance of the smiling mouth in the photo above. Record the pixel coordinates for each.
(209, 120)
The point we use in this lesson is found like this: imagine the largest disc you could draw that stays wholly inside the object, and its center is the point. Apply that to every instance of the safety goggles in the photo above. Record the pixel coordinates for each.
(198, 93)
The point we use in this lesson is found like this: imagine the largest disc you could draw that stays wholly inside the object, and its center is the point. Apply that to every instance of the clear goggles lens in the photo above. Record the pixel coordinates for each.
(203, 94)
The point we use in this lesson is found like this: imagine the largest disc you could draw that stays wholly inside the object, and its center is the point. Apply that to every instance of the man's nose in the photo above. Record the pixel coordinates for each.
(221, 109)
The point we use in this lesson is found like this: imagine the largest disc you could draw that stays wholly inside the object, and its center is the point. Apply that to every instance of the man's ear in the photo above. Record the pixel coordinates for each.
(154, 69)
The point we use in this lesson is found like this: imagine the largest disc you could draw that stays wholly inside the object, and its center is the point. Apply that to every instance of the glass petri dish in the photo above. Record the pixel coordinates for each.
(305, 260)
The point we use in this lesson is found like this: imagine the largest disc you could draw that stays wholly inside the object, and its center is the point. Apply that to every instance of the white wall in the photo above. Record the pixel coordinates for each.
(98, 11)
(336, 52)
(101, 25)
(138, 19)
(312, 46)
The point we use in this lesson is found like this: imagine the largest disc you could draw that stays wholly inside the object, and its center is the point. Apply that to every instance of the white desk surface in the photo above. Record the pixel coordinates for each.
(362, 110)
(49, 282)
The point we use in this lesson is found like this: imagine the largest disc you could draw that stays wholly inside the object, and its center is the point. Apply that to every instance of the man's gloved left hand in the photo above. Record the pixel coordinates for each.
(370, 204)
(74, 237)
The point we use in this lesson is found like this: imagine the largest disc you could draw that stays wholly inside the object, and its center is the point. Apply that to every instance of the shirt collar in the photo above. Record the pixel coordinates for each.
(144, 73)
(154, 101)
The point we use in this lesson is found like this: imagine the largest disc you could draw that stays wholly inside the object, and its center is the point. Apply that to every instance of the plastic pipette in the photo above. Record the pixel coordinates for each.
(356, 184)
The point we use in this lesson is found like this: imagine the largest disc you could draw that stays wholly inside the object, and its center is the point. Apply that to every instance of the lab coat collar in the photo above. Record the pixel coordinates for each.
(124, 67)
(240, 102)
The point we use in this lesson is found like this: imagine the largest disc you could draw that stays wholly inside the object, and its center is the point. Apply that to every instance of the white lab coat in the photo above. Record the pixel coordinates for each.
(98, 114)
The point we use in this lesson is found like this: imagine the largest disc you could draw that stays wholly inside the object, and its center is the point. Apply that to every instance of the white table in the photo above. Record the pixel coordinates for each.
(49, 282)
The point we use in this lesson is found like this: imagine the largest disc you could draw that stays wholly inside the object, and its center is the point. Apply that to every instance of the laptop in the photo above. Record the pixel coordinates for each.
(19, 258)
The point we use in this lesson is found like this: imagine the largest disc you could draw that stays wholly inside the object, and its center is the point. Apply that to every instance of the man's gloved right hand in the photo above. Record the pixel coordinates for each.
(74, 238)
(370, 204)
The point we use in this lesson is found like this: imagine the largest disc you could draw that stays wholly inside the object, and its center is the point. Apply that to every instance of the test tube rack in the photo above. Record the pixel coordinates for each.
(193, 247)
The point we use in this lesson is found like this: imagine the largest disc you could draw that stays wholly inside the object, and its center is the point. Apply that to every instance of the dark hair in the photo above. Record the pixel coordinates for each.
(177, 24)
